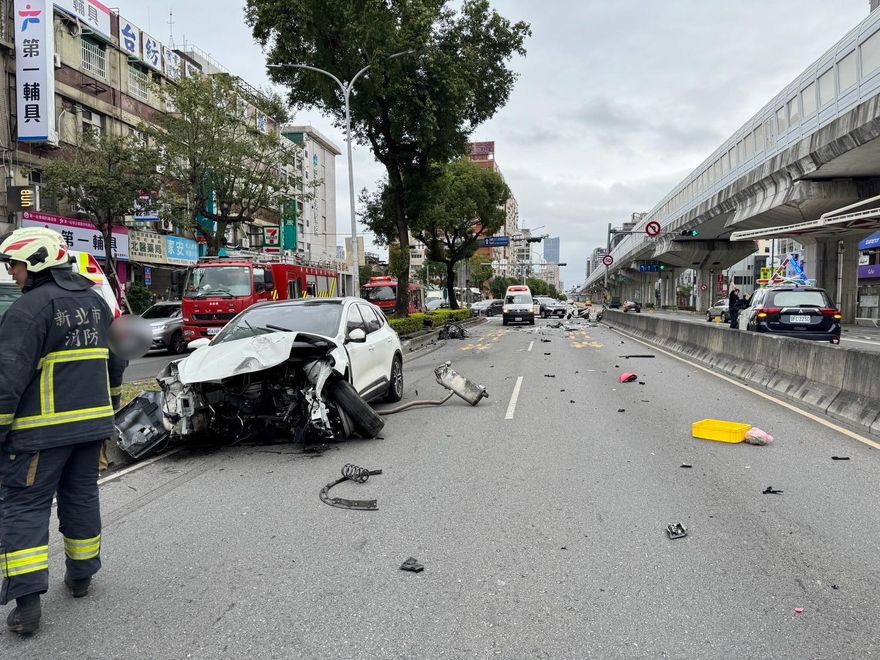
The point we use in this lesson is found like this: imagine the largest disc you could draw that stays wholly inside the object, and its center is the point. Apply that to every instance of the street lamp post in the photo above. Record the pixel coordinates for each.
(345, 88)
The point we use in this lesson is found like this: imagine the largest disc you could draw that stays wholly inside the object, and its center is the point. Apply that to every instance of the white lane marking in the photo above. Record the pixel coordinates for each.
(529, 349)
(511, 408)
(763, 395)
(138, 466)
(861, 341)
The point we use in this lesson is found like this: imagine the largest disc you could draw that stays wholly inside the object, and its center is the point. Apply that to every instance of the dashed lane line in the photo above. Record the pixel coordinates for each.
(511, 407)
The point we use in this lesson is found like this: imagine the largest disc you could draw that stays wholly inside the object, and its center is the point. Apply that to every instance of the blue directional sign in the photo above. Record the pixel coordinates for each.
(496, 241)
(649, 268)
(870, 243)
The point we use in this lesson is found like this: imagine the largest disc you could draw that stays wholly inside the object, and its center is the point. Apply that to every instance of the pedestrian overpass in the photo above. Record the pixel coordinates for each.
(813, 149)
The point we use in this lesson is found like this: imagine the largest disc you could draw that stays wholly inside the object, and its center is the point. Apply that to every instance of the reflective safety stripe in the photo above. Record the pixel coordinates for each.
(6, 419)
(66, 417)
(82, 549)
(75, 355)
(48, 416)
(116, 391)
(24, 561)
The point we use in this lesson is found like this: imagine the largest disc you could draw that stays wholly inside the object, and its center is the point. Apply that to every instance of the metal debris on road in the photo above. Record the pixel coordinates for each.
(452, 331)
(548, 354)
(840, 458)
(621, 410)
(549, 375)
(771, 491)
(412, 564)
(628, 378)
(342, 503)
(465, 389)
(355, 473)
(676, 530)
(686, 465)
(636, 356)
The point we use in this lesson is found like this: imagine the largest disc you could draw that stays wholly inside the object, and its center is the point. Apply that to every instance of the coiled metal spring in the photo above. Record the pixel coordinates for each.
(355, 473)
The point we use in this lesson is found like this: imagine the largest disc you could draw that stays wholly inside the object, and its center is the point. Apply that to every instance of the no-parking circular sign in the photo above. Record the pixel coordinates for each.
(607, 260)
(652, 228)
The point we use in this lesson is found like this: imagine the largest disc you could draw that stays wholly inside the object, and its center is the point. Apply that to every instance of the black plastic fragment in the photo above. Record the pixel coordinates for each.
(621, 410)
(686, 465)
(840, 458)
(636, 356)
(771, 491)
(412, 564)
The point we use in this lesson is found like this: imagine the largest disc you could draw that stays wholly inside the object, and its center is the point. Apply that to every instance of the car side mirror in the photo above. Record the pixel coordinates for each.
(357, 336)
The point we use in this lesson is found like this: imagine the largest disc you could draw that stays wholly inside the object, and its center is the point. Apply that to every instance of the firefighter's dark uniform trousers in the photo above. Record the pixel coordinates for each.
(57, 378)
(30, 481)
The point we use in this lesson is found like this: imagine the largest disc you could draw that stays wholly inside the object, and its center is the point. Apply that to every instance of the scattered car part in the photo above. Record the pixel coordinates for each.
(140, 427)
(359, 477)
(452, 331)
(636, 356)
(621, 410)
(686, 465)
(676, 530)
(771, 491)
(355, 473)
(840, 458)
(412, 564)
(628, 378)
(460, 385)
(413, 404)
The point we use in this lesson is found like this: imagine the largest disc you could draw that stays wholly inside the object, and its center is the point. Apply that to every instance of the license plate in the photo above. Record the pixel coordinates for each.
(517, 318)
(213, 331)
(799, 319)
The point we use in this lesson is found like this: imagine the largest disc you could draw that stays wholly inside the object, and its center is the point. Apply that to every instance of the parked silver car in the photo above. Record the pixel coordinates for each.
(720, 308)
(166, 321)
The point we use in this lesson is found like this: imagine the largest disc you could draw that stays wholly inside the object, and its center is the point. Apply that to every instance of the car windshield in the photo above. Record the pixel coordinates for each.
(222, 281)
(800, 299)
(378, 293)
(318, 318)
(161, 312)
(519, 299)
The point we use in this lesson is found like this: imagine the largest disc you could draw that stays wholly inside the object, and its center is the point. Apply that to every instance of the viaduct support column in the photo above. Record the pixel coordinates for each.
(834, 264)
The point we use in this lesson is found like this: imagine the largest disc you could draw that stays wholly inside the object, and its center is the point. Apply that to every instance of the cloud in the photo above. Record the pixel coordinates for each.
(615, 104)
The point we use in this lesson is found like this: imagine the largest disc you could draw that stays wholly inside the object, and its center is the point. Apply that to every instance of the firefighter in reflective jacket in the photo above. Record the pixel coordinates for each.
(57, 384)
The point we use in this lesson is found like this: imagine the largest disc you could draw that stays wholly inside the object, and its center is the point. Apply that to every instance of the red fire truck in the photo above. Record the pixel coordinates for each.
(219, 288)
(382, 292)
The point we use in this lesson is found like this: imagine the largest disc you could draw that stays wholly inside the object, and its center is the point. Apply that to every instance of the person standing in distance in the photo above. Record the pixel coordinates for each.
(56, 378)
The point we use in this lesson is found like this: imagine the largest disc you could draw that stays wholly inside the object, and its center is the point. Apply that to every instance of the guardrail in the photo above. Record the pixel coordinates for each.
(842, 383)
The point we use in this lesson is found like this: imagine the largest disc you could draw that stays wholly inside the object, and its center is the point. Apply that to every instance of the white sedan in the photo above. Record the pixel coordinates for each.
(292, 364)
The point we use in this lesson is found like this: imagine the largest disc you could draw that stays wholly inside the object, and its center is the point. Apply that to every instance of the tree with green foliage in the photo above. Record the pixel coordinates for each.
(104, 178)
(224, 169)
(481, 270)
(366, 272)
(498, 286)
(413, 111)
(465, 203)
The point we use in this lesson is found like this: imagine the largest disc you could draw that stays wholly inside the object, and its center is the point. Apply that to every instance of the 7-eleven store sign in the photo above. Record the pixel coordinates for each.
(272, 239)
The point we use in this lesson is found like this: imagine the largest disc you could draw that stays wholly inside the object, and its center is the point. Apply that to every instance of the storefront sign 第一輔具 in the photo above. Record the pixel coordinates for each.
(81, 235)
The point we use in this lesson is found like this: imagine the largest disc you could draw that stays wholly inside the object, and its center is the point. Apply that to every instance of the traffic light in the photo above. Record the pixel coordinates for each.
(535, 239)
(689, 232)
(662, 267)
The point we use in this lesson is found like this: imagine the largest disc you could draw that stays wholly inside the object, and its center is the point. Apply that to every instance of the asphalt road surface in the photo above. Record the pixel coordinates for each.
(862, 338)
(539, 519)
(149, 366)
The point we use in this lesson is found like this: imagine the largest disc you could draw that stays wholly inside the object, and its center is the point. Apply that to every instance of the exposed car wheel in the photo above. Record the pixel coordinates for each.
(178, 343)
(395, 387)
(365, 420)
(489, 313)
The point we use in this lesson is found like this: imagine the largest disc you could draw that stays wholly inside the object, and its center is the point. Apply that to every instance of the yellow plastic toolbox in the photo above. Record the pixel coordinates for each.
(720, 430)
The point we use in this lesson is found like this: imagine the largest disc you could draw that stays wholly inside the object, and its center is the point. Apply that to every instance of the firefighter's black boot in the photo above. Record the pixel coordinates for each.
(25, 618)
(78, 588)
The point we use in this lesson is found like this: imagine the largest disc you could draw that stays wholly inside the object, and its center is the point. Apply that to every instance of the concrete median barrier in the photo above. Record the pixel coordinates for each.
(842, 383)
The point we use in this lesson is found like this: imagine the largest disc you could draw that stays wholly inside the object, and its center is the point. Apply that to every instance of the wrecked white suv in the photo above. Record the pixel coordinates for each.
(301, 368)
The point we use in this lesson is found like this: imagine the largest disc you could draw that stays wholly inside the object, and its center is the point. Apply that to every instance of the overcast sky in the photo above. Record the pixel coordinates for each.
(617, 101)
